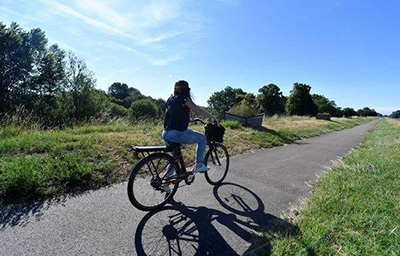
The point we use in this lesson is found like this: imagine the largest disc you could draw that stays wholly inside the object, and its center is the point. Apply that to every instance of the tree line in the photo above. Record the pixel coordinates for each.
(271, 101)
(56, 88)
(395, 114)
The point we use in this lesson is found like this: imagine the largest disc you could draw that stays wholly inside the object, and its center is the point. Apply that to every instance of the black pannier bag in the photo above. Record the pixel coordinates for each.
(214, 133)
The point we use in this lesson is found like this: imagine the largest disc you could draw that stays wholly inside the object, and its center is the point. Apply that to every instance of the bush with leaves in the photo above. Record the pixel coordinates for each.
(232, 124)
(144, 109)
(221, 101)
(246, 107)
(118, 111)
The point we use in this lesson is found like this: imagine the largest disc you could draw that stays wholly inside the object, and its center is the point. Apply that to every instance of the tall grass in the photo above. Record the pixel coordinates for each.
(36, 163)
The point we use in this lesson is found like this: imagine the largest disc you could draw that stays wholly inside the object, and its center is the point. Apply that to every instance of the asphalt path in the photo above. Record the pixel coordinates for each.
(202, 219)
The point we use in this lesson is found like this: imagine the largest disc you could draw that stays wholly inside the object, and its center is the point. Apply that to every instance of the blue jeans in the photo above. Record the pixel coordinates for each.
(188, 137)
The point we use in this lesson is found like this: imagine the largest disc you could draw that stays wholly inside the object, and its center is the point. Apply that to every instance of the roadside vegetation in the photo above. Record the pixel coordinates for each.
(354, 209)
(39, 163)
(60, 134)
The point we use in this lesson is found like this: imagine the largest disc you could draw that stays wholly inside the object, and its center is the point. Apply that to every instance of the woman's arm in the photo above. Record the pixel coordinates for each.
(190, 104)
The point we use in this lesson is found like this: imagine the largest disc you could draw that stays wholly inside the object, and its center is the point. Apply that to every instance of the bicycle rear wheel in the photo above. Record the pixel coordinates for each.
(147, 181)
(217, 158)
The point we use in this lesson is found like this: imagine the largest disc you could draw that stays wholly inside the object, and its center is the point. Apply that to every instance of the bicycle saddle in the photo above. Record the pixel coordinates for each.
(173, 145)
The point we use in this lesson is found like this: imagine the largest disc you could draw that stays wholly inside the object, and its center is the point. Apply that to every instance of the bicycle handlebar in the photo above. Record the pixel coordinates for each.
(197, 120)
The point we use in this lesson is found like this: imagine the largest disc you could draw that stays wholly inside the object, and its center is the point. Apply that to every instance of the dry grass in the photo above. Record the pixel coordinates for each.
(97, 155)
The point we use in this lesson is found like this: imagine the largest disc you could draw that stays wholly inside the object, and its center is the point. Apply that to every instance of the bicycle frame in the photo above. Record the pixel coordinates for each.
(177, 155)
(179, 160)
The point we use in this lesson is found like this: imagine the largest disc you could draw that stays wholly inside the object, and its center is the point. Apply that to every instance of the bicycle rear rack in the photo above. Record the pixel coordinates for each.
(147, 150)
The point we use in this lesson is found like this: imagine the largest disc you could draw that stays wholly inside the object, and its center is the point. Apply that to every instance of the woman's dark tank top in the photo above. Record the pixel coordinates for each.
(176, 113)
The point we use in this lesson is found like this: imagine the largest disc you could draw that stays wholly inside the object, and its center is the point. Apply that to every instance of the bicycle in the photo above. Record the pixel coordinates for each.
(163, 166)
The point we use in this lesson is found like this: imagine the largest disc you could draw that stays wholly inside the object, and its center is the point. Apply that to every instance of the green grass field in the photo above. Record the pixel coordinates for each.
(42, 163)
(356, 205)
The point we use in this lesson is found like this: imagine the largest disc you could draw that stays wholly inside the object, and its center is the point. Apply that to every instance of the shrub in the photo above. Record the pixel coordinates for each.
(118, 111)
(244, 109)
(144, 109)
(233, 124)
(22, 178)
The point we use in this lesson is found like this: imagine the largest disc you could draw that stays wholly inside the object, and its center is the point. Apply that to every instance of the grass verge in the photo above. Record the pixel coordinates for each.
(41, 163)
(355, 208)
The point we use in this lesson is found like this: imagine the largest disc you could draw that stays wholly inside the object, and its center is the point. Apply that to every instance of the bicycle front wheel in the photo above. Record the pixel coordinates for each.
(149, 181)
(217, 158)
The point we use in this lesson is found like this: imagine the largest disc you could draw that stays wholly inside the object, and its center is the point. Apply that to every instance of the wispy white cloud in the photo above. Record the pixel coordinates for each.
(66, 10)
(158, 32)
(124, 47)
(144, 28)
(123, 72)
(105, 13)
(159, 38)
(156, 61)
(24, 16)
(165, 61)
(161, 11)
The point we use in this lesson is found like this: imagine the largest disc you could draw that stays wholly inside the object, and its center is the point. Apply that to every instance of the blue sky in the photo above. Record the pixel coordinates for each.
(346, 50)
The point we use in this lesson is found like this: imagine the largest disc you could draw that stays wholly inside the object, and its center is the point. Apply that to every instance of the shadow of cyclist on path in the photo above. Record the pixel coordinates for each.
(184, 230)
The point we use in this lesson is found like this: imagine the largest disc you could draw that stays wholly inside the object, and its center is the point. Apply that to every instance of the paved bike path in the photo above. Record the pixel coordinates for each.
(202, 220)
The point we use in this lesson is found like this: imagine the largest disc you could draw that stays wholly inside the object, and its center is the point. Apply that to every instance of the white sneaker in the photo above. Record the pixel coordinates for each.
(167, 189)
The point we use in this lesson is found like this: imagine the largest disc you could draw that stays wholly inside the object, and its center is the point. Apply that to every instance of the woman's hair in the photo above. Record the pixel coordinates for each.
(182, 88)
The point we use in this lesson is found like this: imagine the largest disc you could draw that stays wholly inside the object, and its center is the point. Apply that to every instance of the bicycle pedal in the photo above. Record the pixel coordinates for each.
(190, 177)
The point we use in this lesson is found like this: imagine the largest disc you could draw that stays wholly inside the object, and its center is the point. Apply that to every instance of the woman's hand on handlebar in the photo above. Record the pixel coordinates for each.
(197, 120)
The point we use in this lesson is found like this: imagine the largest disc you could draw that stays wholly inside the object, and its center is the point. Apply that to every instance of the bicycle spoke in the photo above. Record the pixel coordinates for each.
(218, 161)
(212, 158)
(216, 156)
(146, 188)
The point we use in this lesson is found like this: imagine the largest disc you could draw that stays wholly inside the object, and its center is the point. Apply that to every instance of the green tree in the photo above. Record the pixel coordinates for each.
(300, 101)
(339, 112)
(395, 114)
(18, 51)
(123, 94)
(220, 102)
(134, 95)
(49, 78)
(144, 109)
(119, 90)
(349, 112)
(366, 111)
(161, 106)
(48, 82)
(271, 100)
(80, 83)
(324, 105)
(57, 89)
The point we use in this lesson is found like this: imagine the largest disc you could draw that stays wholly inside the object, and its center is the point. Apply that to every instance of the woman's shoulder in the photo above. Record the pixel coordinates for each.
(177, 98)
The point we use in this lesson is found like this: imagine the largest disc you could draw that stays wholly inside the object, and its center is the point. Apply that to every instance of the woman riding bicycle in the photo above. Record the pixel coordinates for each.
(177, 118)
